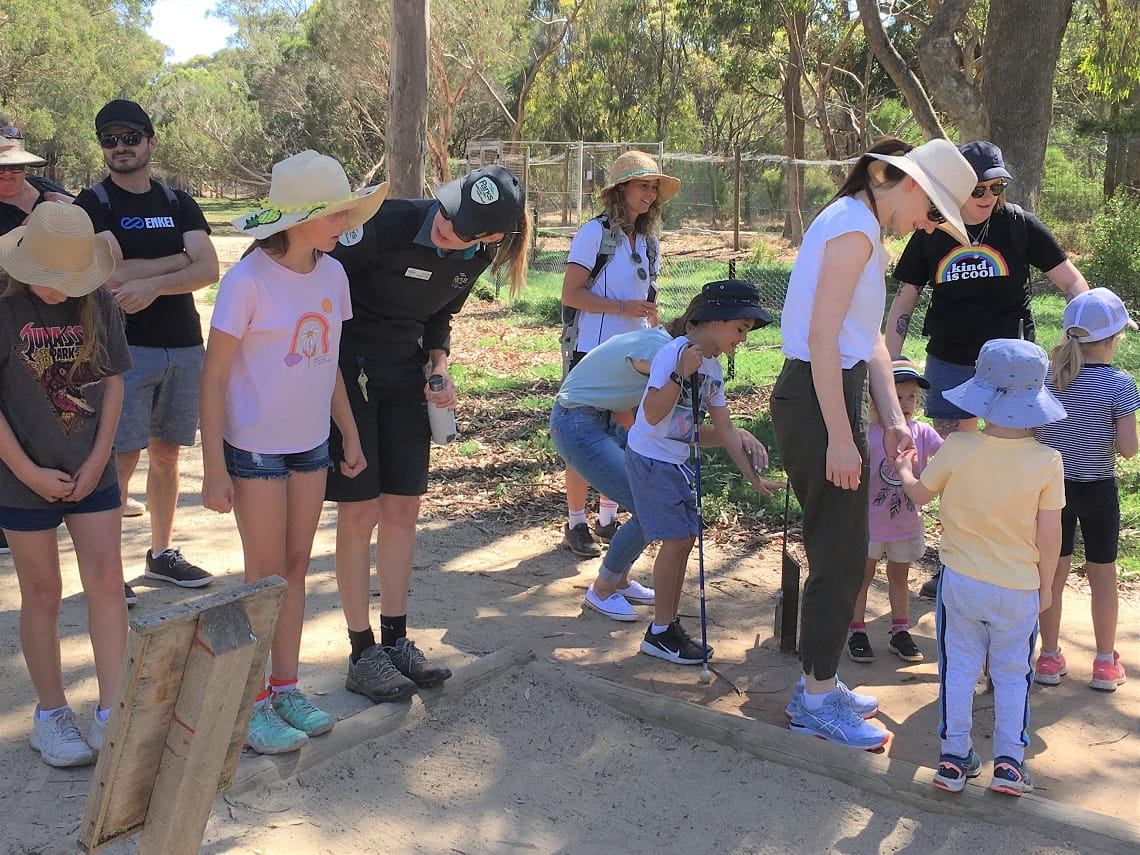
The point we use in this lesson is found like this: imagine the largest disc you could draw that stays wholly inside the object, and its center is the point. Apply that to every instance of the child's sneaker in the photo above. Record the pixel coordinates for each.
(685, 635)
(865, 706)
(268, 733)
(1010, 777)
(672, 645)
(170, 566)
(97, 731)
(1050, 668)
(953, 771)
(859, 648)
(1107, 675)
(579, 541)
(903, 646)
(605, 533)
(929, 589)
(638, 594)
(410, 662)
(59, 741)
(298, 711)
(615, 606)
(837, 722)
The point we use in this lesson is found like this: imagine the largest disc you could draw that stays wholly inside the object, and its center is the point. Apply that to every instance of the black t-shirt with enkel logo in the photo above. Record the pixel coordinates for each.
(978, 292)
(146, 227)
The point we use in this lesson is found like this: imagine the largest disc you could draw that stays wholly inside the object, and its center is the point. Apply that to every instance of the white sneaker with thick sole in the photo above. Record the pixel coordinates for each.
(615, 606)
(638, 594)
(59, 741)
(96, 732)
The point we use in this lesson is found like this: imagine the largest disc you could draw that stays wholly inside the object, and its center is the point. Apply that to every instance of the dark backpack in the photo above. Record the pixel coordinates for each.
(101, 194)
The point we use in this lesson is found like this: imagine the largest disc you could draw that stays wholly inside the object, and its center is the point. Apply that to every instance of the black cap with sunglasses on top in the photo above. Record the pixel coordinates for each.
(487, 200)
(730, 300)
(986, 159)
(125, 114)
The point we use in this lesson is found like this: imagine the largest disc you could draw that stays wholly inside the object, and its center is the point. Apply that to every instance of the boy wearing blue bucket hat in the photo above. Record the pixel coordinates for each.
(1002, 495)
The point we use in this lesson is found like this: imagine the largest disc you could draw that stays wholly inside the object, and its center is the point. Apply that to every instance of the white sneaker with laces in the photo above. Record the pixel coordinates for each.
(637, 593)
(615, 606)
(96, 732)
(59, 741)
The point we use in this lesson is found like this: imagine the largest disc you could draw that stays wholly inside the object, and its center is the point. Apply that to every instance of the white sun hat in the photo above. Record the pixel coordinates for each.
(946, 176)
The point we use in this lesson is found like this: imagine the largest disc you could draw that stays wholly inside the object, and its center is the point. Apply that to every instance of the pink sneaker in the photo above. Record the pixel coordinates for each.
(1107, 675)
(1050, 668)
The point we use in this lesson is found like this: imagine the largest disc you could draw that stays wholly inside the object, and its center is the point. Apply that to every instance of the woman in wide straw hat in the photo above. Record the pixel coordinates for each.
(610, 288)
(20, 192)
(834, 353)
(62, 355)
(269, 385)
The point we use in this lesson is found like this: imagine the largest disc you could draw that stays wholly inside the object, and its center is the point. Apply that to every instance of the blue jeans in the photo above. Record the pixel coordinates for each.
(942, 376)
(593, 444)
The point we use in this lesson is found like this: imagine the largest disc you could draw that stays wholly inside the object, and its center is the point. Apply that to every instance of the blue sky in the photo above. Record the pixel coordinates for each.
(183, 26)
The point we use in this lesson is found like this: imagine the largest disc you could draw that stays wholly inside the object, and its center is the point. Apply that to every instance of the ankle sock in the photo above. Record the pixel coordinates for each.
(574, 518)
(360, 640)
(607, 510)
(899, 626)
(813, 702)
(657, 630)
(43, 715)
(1105, 657)
(856, 626)
(1051, 654)
(261, 698)
(103, 715)
(280, 687)
(392, 629)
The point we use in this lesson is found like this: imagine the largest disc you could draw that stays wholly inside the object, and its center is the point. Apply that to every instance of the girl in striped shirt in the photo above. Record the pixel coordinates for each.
(1101, 402)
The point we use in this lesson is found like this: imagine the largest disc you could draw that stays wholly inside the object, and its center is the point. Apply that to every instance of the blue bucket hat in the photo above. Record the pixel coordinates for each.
(1008, 387)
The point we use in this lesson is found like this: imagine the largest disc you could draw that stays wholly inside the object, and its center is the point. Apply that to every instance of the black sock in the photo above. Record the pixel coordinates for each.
(392, 628)
(360, 641)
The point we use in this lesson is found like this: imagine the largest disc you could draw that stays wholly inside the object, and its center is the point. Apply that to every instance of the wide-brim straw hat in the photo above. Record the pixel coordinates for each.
(637, 164)
(305, 187)
(13, 153)
(946, 176)
(57, 248)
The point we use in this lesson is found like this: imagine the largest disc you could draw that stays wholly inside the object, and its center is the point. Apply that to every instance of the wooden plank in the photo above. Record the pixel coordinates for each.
(149, 683)
(885, 776)
(213, 687)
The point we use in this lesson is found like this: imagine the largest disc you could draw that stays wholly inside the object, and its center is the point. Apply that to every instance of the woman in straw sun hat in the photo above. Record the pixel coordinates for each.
(269, 385)
(20, 192)
(834, 354)
(610, 288)
(62, 355)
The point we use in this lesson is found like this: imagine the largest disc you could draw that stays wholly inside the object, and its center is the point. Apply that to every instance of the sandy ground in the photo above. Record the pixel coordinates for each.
(524, 763)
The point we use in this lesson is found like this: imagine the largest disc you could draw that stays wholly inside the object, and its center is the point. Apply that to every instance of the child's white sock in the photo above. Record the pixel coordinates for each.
(41, 715)
(657, 630)
(103, 715)
(576, 518)
(1105, 657)
(607, 510)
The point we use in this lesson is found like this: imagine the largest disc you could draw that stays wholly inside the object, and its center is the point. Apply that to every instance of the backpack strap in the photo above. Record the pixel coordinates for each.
(101, 194)
(612, 238)
(1018, 230)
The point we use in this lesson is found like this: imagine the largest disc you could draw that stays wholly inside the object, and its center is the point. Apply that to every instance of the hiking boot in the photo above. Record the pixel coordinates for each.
(133, 508)
(672, 646)
(298, 711)
(170, 566)
(859, 648)
(97, 731)
(579, 541)
(374, 676)
(410, 662)
(605, 533)
(689, 638)
(903, 646)
(638, 594)
(1010, 776)
(268, 733)
(865, 706)
(615, 606)
(929, 589)
(836, 722)
(1107, 675)
(1050, 668)
(953, 771)
(129, 595)
(59, 741)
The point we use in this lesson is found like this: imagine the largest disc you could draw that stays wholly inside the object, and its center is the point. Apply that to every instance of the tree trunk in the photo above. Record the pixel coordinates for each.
(943, 68)
(796, 26)
(1122, 153)
(407, 99)
(1023, 42)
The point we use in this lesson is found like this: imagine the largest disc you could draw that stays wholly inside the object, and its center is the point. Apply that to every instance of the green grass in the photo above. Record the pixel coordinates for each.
(221, 212)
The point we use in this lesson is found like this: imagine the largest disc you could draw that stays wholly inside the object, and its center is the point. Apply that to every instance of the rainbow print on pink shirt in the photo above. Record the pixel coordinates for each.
(310, 339)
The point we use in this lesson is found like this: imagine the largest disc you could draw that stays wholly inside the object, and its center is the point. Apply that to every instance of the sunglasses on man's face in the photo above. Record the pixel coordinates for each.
(980, 191)
(128, 138)
(14, 167)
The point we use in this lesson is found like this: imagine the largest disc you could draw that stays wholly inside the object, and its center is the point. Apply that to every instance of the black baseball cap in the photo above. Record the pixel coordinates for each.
(126, 114)
(729, 300)
(487, 200)
(986, 159)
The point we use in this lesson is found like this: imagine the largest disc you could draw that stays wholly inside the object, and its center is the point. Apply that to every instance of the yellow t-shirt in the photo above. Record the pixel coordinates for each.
(992, 489)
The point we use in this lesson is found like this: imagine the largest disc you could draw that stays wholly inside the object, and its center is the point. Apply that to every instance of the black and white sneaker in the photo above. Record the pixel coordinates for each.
(4, 550)
(689, 638)
(170, 566)
(929, 589)
(672, 645)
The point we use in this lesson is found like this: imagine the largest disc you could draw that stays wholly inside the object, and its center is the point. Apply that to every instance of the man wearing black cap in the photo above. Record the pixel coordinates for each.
(163, 253)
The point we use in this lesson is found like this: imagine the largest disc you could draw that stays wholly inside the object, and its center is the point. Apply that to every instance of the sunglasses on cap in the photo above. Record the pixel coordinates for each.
(12, 167)
(128, 138)
(980, 191)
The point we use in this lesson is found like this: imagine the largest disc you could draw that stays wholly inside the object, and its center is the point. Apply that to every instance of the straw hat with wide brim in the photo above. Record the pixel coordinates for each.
(637, 164)
(946, 176)
(57, 248)
(13, 153)
(307, 186)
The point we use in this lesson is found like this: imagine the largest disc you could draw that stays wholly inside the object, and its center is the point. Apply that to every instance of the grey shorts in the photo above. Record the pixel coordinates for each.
(160, 397)
(663, 497)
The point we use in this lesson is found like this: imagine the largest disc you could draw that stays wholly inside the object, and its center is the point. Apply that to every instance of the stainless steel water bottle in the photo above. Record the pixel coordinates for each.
(442, 420)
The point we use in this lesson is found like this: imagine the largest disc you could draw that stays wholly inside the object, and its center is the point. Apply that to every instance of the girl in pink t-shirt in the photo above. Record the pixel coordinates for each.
(269, 385)
(894, 523)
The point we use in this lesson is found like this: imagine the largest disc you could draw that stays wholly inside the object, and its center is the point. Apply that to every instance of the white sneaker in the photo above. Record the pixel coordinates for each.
(615, 606)
(133, 508)
(59, 741)
(96, 732)
(637, 593)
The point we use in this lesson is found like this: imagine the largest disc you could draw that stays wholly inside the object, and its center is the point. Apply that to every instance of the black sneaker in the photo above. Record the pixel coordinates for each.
(579, 541)
(374, 676)
(170, 566)
(410, 662)
(129, 595)
(4, 550)
(605, 533)
(929, 590)
(903, 646)
(690, 639)
(859, 648)
(671, 645)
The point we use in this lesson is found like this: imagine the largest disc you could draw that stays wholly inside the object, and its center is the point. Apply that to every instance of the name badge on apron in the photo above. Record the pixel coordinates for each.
(416, 273)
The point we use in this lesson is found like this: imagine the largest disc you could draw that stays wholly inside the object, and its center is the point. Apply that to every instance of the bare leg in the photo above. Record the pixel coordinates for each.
(395, 550)
(36, 555)
(860, 613)
(126, 463)
(668, 577)
(1049, 620)
(1102, 582)
(897, 590)
(576, 490)
(161, 492)
(356, 521)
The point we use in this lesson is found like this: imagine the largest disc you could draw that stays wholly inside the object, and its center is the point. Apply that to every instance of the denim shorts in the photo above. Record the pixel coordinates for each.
(160, 397)
(251, 464)
(942, 376)
(45, 519)
(663, 497)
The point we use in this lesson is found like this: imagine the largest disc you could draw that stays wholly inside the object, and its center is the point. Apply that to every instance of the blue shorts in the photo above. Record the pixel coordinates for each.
(663, 497)
(45, 519)
(251, 464)
(942, 376)
(160, 397)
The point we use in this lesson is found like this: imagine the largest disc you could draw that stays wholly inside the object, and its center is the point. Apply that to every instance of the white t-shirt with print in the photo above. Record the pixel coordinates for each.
(279, 395)
(669, 439)
(617, 281)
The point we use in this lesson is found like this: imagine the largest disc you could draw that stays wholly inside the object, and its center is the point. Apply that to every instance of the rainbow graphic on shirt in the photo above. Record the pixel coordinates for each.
(310, 339)
(971, 262)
